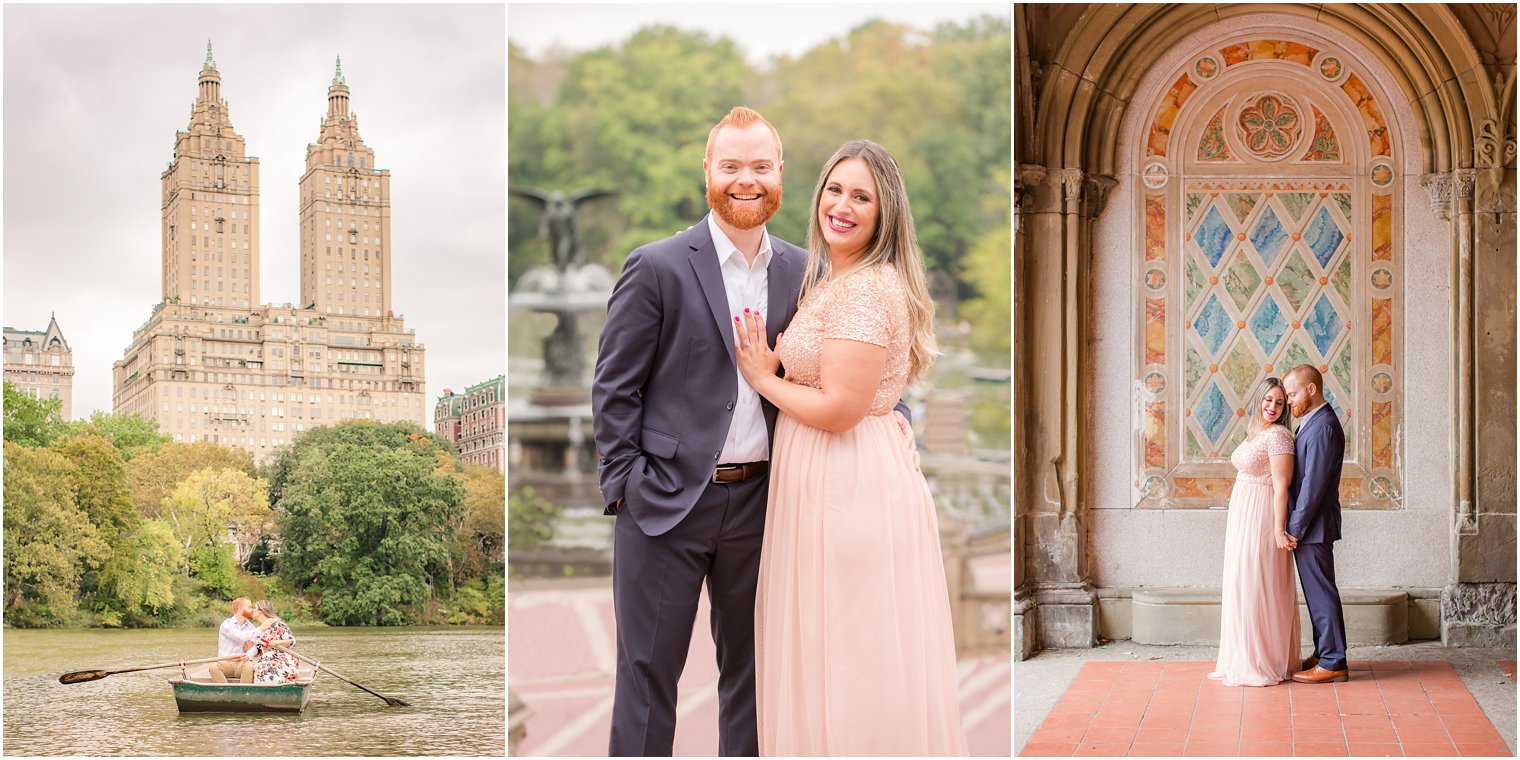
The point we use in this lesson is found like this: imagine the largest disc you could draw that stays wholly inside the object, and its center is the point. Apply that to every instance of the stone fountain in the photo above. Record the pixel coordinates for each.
(550, 443)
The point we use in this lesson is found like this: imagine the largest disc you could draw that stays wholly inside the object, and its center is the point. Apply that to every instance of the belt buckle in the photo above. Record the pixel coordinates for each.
(726, 468)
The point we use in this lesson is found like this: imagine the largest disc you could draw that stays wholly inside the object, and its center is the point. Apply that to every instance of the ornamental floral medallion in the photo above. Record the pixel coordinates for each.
(1269, 126)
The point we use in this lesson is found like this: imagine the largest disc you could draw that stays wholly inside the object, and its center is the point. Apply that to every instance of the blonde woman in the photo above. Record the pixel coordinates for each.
(1258, 628)
(854, 652)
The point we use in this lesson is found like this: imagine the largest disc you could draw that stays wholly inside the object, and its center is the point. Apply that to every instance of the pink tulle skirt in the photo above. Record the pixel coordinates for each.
(854, 648)
(1258, 629)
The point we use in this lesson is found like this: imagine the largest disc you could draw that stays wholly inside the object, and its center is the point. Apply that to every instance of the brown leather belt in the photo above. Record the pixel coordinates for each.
(734, 473)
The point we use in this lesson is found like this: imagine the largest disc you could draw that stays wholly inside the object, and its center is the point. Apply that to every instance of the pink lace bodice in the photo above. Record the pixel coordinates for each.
(867, 305)
(1253, 456)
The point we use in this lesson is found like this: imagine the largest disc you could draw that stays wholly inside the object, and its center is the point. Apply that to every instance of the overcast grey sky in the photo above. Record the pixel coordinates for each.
(93, 96)
(762, 30)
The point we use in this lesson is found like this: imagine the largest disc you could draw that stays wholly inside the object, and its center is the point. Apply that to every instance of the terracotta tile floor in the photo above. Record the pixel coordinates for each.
(1412, 709)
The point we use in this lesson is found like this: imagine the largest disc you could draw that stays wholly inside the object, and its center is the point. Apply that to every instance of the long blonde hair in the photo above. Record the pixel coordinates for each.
(1256, 423)
(894, 242)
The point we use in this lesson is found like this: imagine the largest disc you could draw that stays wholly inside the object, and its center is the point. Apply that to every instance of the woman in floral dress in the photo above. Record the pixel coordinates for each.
(270, 664)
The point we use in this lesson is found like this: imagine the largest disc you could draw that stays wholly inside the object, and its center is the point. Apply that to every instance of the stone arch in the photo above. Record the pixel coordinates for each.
(1211, 323)
(1080, 82)
(1091, 83)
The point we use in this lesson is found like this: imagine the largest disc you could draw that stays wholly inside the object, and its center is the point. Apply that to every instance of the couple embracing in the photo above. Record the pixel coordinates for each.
(778, 469)
(1285, 512)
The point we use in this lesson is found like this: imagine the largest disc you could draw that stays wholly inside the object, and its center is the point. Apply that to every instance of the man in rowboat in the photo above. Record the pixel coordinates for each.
(235, 637)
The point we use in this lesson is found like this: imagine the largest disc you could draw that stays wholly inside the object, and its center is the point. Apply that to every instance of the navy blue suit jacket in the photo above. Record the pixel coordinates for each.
(1314, 501)
(665, 385)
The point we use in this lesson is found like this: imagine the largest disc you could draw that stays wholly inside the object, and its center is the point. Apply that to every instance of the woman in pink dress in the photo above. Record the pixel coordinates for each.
(854, 649)
(1258, 629)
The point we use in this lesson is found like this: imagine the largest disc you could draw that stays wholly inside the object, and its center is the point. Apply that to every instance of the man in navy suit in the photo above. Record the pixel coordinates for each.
(1314, 520)
(685, 441)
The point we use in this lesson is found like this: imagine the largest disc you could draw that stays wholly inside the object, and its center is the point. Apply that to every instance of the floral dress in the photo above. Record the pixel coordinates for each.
(273, 665)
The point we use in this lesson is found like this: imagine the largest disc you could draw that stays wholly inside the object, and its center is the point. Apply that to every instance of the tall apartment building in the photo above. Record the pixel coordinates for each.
(42, 364)
(476, 422)
(214, 363)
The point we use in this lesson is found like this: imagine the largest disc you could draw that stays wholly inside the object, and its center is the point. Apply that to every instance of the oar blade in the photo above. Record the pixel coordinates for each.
(393, 702)
(80, 676)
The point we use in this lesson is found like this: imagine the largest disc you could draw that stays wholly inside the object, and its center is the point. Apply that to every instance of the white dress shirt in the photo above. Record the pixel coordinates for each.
(747, 287)
(234, 632)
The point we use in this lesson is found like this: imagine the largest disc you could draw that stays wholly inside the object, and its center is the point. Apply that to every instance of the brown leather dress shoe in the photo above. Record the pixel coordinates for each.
(1310, 662)
(1318, 674)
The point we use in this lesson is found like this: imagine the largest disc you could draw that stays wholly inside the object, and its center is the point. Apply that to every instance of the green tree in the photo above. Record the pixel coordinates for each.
(367, 527)
(482, 532)
(363, 433)
(49, 542)
(153, 474)
(129, 433)
(988, 268)
(210, 504)
(99, 481)
(30, 421)
(213, 565)
(141, 577)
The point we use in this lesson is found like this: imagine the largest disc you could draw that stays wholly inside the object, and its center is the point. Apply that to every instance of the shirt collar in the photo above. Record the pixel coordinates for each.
(1316, 410)
(726, 248)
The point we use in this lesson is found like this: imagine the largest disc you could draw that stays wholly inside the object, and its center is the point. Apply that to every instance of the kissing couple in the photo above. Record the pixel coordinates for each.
(780, 470)
(1285, 511)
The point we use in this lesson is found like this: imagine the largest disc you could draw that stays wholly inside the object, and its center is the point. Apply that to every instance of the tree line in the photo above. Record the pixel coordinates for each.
(634, 117)
(109, 523)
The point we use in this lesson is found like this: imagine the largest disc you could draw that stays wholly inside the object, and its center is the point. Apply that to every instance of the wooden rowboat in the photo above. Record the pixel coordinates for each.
(194, 691)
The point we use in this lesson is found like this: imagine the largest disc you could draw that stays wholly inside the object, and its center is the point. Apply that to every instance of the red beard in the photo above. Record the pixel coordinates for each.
(1301, 408)
(745, 217)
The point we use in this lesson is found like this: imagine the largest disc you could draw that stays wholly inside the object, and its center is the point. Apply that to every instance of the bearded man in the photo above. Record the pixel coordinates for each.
(685, 442)
(1314, 520)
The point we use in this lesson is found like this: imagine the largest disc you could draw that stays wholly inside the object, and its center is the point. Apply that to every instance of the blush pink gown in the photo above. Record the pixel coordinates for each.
(1258, 629)
(854, 649)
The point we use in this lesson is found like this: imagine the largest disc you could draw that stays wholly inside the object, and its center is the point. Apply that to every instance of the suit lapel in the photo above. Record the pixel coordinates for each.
(781, 292)
(704, 261)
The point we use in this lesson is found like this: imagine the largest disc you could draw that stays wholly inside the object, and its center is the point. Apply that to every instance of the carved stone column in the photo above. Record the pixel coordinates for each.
(1054, 601)
(1479, 607)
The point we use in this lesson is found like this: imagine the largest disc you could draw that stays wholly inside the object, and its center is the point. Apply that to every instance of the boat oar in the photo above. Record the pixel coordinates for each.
(389, 701)
(81, 676)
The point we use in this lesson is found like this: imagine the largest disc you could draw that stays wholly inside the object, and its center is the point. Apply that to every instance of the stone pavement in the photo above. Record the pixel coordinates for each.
(561, 657)
(1417, 699)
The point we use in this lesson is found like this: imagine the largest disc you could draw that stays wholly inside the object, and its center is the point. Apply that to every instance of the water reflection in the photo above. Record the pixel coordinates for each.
(453, 677)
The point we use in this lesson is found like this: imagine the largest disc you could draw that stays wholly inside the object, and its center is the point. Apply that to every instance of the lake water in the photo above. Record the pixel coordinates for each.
(454, 678)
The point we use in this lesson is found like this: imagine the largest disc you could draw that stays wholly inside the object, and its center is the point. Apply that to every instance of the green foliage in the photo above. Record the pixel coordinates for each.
(209, 504)
(140, 576)
(213, 565)
(154, 473)
(130, 434)
(482, 534)
(49, 541)
(634, 117)
(383, 519)
(479, 601)
(30, 421)
(98, 477)
(365, 521)
(402, 436)
(530, 519)
(989, 270)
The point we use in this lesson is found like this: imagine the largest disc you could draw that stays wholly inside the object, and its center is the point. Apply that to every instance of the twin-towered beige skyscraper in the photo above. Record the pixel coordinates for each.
(214, 363)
